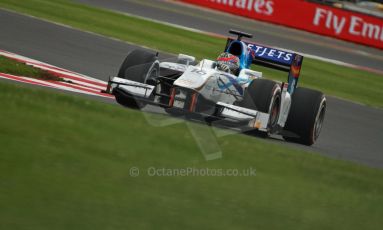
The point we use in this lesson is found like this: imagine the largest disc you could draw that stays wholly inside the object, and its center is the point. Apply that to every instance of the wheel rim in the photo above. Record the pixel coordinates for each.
(319, 120)
(151, 77)
(274, 113)
(153, 73)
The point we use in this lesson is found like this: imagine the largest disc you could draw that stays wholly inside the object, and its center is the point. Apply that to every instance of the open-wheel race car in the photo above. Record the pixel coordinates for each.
(226, 89)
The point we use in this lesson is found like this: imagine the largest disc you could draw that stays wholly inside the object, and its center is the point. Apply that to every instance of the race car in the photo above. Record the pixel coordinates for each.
(240, 98)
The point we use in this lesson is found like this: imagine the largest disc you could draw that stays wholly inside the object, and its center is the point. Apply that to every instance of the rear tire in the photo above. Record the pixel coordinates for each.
(140, 66)
(264, 96)
(307, 112)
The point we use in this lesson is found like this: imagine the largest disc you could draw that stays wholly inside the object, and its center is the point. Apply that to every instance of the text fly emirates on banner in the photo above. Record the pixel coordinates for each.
(342, 24)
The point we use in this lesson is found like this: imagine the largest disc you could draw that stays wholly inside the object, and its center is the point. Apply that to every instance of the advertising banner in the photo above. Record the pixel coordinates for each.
(300, 14)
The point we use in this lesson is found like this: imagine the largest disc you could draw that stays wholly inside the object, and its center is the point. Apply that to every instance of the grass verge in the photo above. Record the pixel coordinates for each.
(65, 163)
(13, 67)
(344, 82)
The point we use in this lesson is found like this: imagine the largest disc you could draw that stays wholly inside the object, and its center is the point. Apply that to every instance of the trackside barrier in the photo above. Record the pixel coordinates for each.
(308, 16)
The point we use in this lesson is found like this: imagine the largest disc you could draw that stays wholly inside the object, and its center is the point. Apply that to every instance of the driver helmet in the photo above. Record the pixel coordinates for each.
(228, 63)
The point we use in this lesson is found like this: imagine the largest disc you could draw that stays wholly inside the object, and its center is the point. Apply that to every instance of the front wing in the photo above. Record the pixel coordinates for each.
(191, 104)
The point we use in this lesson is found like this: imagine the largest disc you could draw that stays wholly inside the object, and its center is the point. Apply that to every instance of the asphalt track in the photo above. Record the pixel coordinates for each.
(352, 132)
(264, 33)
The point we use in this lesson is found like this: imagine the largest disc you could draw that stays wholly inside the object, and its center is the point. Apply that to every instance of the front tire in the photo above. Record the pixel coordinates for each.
(307, 112)
(264, 96)
(140, 66)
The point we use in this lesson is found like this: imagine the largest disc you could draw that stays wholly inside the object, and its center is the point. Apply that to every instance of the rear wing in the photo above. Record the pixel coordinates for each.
(275, 59)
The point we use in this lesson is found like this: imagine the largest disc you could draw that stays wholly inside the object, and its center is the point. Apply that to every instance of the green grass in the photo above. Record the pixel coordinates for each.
(343, 82)
(65, 160)
(13, 67)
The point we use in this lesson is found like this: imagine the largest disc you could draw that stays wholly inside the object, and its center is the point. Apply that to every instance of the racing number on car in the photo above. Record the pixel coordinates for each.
(198, 71)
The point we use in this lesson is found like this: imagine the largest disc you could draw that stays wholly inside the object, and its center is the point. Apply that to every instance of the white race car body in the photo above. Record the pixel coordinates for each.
(218, 87)
(245, 100)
